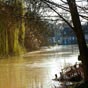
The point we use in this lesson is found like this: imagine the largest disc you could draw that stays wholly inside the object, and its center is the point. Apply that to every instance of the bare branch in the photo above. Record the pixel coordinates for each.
(84, 17)
(63, 2)
(59, 15)
(57, 5)
(82, 8)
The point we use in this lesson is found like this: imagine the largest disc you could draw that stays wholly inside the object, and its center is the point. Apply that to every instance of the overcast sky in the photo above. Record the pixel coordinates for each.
(83, 3)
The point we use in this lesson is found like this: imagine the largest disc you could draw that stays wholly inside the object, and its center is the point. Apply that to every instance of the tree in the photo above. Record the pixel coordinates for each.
(36, 32)
(15, 17)
(80, 36)
(72, 7)
(11, 22)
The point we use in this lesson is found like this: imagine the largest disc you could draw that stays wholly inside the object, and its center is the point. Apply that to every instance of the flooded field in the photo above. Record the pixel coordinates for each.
(36, 69)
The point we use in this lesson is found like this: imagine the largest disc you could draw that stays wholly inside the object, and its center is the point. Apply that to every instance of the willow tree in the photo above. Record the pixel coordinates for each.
(11, 25)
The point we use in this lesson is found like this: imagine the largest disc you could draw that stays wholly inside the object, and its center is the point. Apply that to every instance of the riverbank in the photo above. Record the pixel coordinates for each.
(35, 71)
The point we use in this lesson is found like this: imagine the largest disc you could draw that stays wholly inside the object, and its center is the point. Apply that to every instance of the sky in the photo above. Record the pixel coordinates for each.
(82, 3)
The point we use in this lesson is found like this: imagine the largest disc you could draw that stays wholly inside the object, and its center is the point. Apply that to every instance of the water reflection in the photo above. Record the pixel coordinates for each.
(36, 71)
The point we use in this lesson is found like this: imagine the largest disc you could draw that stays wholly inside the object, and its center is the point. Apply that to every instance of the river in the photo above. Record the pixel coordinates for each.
(36, 69)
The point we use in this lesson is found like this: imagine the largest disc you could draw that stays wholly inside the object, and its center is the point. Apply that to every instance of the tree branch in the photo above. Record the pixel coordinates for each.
(59, 15)
(57, 5)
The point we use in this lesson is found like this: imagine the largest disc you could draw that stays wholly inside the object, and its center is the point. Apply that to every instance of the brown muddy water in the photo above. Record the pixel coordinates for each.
(36, 69)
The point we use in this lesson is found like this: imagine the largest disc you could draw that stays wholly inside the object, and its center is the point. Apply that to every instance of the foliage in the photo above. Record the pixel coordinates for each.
(9, 27)
(36, 32)
(15, 18)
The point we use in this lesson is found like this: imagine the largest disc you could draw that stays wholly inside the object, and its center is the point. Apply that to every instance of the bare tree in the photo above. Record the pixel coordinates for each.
(71, 7)
(80, 36)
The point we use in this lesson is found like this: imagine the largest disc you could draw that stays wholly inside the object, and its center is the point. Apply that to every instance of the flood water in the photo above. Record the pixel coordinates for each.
(36, 69)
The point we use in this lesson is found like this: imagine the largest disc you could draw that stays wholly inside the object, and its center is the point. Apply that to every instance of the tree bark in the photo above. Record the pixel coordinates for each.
(80, 36)
(10, 42)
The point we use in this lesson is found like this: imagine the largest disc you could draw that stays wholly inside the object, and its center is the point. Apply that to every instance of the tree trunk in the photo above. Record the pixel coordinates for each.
(80, 36)
(10, 42)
